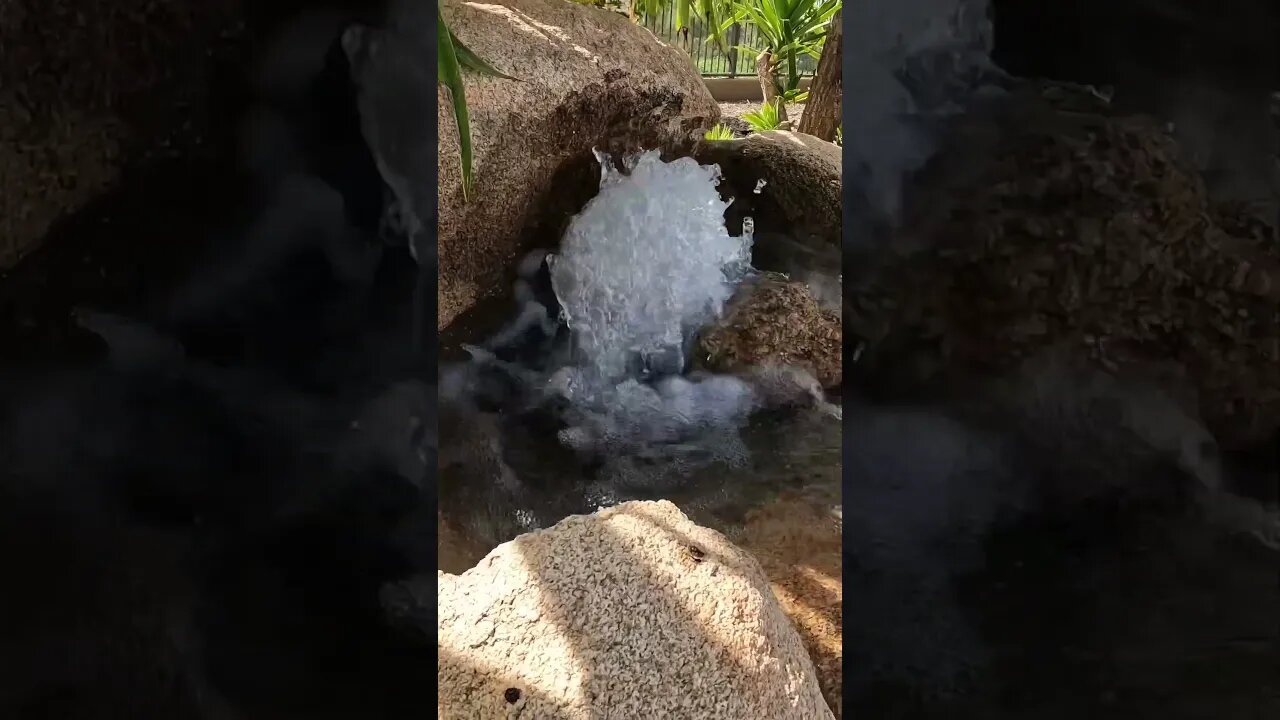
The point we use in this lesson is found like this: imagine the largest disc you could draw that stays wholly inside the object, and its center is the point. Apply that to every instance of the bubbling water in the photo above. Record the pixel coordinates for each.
(645, 264)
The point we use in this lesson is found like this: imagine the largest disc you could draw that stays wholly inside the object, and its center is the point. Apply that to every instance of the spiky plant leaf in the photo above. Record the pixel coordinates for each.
(682, 13)
(471, 61)
(766, 118)
(451, 57)
(449, 74)
(787, 28)
(796, 96)
(719, 132)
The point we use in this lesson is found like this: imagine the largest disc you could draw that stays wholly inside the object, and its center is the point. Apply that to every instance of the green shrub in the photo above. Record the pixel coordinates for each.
(719, 132)
(765, 119)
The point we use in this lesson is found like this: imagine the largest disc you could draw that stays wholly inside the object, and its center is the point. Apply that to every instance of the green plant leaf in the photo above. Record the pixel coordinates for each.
(796, 96)
(451, 57)
(765, 119)
(682, 13)
(449, 74)
(711, 14)
(719, 132)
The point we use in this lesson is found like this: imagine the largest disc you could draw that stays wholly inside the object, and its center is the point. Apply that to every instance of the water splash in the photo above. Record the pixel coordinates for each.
(645, 264)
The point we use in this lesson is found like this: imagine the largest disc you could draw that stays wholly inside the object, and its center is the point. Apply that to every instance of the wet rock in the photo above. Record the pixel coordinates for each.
(456, 552)
(1050, 221)
(741, 128)
(785, 386)
(634, 609)
(586, 78)
(775, 322)
(801, 196)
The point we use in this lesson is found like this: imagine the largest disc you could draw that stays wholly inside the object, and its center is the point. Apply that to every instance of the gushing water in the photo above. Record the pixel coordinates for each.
(603, 405)
(645, 264)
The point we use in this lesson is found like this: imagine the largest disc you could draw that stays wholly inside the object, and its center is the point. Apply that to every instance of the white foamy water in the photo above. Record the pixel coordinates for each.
(646, 263)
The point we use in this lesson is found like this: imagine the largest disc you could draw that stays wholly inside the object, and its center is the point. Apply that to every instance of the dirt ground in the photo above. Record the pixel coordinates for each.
(797, 542)
(738, 109)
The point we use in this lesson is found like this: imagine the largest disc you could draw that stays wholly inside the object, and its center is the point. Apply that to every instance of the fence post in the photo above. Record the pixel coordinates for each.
(735, 36)
(706, 60)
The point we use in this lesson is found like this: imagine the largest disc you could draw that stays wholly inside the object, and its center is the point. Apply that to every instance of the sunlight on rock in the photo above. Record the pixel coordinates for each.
(634, 611)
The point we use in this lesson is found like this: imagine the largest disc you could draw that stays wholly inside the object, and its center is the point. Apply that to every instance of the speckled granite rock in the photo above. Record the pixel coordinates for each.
(802, 181)
(798, 543)
(1052, 222)
(633, 611)
(775, 322)
(86, 87)
(586, 77)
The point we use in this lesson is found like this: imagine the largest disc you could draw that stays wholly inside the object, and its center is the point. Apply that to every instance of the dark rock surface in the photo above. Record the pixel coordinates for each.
(91, 89)
(1056, 222)
(1207, 67)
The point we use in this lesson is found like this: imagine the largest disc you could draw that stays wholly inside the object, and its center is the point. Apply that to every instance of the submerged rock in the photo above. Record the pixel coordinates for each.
(586, 78)
(775, 323)
(1050, 222)
(633, 611)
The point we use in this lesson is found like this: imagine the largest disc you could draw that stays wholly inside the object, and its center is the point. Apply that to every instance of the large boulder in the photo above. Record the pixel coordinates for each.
(87, 88)
(587, 78)
(798, 543)
(632, 612)
(801, 195)
(1051, 223)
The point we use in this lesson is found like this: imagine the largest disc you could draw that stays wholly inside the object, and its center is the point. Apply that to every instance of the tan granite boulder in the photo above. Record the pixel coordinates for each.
(587, 77)
(633, 611)
(803, 186)
(798, 543)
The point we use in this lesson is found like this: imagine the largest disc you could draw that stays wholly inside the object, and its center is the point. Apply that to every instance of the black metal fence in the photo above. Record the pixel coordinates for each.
(710, 58)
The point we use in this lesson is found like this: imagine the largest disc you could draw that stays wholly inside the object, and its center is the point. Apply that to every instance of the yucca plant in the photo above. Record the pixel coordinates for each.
(719, 132)
(787, 29)
(766, 118)
(451, 57)
(795, 96)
